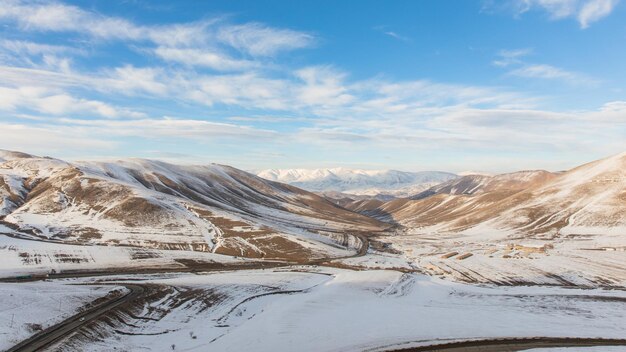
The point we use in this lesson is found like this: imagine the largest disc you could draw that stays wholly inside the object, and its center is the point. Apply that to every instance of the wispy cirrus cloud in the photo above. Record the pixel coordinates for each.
(211, 43)
(32, 54)
(393, 34)
(49, 139)
(507, 57)
(23, 47)
(58, 17)
(57, 103)
(396, 36)
(585, 12)
(514, 60)
(549, 72)
(182, 128)
(260, 40)
(203, 57)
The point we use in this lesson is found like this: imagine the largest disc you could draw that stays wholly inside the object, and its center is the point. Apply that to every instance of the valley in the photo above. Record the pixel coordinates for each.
(312, 176)
(230, 261)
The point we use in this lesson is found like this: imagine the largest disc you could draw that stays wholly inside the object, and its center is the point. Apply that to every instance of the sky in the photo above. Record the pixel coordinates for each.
(481, 85)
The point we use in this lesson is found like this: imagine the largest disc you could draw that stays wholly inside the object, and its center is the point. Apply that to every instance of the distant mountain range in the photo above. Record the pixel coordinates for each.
(522, 227)
(359, 182)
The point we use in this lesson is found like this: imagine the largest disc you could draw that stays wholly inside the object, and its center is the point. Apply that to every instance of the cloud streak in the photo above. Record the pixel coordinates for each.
(49, 102)
(520, 68)
(585, 12)
(543, 71)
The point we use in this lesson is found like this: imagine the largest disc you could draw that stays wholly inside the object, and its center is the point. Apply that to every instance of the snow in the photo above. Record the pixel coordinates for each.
(478, 173)
(18, 256)
(481, 183)
(500, 256)
(92, 203)
(358, 182)
(323, 309)
(44, 303)
(577, 215)
(378, 260)
(307, 308)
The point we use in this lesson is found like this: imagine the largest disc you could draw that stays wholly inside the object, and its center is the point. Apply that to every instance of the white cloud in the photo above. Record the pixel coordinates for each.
(44, 77)
(132, 80)
(553, 73)
(450, 128)
(32, 48)
(250, 38)
(542, 71)
(584, 11)
(168, 127)
(260, 40)
(468, 129)
(393, 34)
(268, 119)
(58, 17)
(396, 36)
(326, 107)
(45, 101)
(511, 57)
(320, 90)
(206, 58)
(593, 11)
(51, 140)
(248, 90)
(558, 8)
(41, 16)
(92, 138)
(323, 86)
(31, 54)
(521, 68)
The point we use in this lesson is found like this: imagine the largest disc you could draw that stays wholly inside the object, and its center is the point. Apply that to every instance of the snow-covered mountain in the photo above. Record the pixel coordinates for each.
(590, 196)
(526, 226)
(359, 182)
(148, 204)
(476, 184)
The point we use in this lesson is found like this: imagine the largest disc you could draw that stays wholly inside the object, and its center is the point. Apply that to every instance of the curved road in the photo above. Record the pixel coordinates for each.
(54, 333)
(514, 344)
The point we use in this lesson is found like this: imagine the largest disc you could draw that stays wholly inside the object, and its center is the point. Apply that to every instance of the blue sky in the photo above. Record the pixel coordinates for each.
(412, 85)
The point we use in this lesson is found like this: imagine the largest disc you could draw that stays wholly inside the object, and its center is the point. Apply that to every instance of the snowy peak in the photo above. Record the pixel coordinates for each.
(357, 181)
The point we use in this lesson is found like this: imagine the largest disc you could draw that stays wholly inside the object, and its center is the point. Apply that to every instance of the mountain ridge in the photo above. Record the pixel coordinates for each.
(152, 204)
(358, 181)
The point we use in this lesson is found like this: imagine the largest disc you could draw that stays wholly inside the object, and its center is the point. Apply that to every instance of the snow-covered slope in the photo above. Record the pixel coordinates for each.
(342, 310)
(149, 204)
(359, 182)
(525, 202)
(476, 184)
(569, 225)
